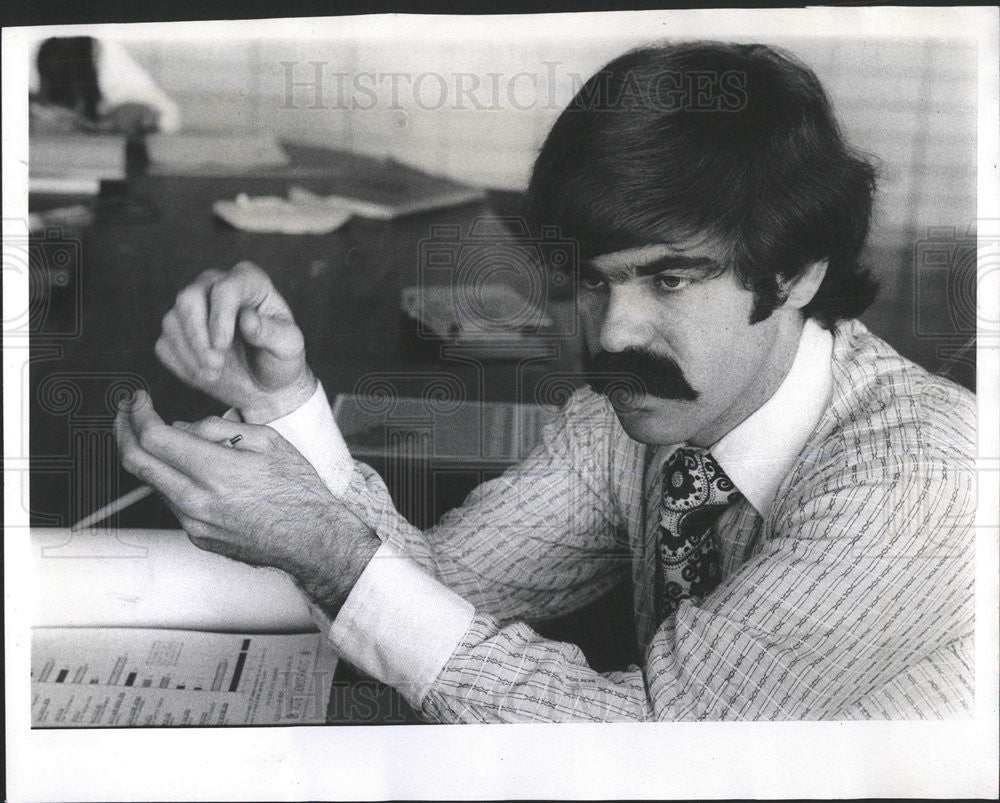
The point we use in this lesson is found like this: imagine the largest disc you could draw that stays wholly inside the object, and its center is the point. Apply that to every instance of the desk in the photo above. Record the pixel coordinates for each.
(343, 288)
(151, 236)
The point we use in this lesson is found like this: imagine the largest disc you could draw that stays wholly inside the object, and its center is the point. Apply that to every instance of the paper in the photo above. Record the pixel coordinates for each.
(156, 578)
(272, 214)
(64, 185)
(121, 677)
(211, 154)
(409, 194)
(482, 311)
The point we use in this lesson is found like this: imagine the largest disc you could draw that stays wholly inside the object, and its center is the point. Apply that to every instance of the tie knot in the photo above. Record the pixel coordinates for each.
(692, 478)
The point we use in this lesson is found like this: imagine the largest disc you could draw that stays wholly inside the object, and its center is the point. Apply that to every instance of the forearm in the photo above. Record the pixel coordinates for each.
(537, 543)
(493, 554)
(512, 674)
(327, 583)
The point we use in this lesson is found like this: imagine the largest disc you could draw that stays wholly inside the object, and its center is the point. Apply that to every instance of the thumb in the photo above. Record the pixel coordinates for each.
(280, 336)
(141, 410)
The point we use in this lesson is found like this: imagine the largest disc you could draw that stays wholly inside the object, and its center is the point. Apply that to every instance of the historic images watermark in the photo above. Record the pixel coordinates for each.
(320, 85)
(466, 272)
(952, 268)
(42, 277)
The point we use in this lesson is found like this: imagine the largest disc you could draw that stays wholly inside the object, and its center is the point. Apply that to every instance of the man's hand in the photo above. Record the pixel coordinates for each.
(257, 501)
(232, 336)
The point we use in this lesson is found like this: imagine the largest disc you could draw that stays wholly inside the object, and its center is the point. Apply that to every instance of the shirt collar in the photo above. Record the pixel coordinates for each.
(759, 452)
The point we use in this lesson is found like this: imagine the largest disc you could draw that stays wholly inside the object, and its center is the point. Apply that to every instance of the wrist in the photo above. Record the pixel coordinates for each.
(329, 589)
(279, 403)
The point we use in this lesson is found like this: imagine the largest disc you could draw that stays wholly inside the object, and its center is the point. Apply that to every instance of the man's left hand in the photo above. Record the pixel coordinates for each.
(258, 500)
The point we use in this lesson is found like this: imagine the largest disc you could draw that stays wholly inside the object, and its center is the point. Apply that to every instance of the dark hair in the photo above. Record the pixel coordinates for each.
(734, 142)
(67, 74)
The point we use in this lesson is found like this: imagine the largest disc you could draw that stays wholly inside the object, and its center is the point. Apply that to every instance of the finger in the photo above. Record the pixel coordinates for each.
(183, 367)
(272, 304)
(176, 337)
(199, 459)
(244, 285)
(207, 278)
(247, 436)
(191, 308)
(145, 467)
(166, 355)
(280, 336)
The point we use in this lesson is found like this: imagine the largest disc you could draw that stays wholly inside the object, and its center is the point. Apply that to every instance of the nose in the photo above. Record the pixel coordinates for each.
(626, 320)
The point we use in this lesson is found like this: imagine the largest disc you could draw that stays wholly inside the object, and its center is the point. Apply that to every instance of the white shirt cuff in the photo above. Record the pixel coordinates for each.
(399, 624)
(312, 430)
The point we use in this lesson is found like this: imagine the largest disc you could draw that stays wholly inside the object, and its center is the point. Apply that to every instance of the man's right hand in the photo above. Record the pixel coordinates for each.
(233, 336)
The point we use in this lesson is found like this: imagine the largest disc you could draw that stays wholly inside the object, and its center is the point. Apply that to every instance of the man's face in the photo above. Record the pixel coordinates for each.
(670, 320)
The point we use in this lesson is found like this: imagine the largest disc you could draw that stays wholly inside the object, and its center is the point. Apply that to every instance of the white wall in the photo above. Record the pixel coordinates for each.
(910, 103)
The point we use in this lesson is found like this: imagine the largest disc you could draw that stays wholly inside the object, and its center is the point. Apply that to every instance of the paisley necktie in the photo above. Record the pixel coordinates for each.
(695, 492)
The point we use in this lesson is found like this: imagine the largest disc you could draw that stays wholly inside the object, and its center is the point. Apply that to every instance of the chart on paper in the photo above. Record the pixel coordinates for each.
(134, 677)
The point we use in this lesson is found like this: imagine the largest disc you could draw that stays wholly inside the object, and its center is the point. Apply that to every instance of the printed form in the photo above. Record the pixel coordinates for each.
(133, 677)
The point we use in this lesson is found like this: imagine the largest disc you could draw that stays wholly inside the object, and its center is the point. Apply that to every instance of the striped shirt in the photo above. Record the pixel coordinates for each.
(847, 571)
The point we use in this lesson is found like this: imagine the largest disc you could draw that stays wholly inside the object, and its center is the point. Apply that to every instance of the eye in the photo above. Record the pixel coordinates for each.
(591, 281)
(669, 282)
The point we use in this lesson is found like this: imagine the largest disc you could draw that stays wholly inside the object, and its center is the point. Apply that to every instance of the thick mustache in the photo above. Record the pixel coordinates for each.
(626, 376)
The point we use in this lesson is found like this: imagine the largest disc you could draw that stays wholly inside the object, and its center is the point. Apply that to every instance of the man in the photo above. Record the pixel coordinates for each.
(80, 84)
(792, 499)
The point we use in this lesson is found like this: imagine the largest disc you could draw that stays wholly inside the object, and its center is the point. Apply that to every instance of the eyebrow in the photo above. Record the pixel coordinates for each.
(699, 266)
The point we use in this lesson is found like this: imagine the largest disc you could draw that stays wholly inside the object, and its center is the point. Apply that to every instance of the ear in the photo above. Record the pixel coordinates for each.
(801, 290)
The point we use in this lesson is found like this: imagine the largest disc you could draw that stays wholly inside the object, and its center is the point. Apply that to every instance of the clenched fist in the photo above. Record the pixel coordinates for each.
(231, 335)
